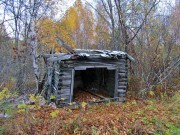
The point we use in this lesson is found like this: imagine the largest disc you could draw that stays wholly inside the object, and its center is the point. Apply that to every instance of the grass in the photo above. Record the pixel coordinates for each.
(135, 117)
(1, 130)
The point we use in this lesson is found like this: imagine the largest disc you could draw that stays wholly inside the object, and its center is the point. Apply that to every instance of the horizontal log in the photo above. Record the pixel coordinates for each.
(54, 55)
(66, 87)
(84, 65)
(122, 83)
(122, 87)
(122, 75)
(65, 82)
(62, 97)
(66, 72)
(97, 62)
(54, 59)
(60, 85)
(94, 66)
(65, 90)
(122, 71)
(121, 91)
(125, 68)
(63, 94)
(103, 100)
(100, 62)
(123, 79)
(124, 65)
(65, 69)
(66, 77)
(122, 60)
(95, 94)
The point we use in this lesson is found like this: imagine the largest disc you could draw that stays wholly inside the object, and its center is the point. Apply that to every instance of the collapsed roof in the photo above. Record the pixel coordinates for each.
(83, 53)
(88, 54)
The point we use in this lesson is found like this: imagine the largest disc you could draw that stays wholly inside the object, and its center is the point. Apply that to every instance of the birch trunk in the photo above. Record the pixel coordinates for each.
(33, 44)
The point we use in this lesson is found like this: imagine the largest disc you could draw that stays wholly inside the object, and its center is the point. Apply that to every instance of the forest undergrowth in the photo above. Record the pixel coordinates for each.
(134, 117)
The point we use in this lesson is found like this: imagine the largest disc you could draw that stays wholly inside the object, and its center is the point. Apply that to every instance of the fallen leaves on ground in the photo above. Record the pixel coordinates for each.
(84, 96)
(132, 117)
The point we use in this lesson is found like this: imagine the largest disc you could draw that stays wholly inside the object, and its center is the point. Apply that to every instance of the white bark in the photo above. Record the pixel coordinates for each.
(33, 44)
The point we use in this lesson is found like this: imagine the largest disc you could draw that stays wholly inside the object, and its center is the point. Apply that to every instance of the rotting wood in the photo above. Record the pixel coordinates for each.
(65, 46)
(95, 94)
(104, 100)
(65, 66)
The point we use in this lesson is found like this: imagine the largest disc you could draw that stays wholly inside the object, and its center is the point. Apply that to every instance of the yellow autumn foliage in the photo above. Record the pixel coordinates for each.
(49, 30)
(75, 28)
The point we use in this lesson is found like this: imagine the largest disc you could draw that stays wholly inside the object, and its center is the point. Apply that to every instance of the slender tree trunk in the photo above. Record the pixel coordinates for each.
(33, 44)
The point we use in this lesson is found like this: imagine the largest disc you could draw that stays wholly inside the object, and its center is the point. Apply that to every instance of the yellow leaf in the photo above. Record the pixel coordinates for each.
(70, 104)
(63, 99)
(83, 104)
(151, 93)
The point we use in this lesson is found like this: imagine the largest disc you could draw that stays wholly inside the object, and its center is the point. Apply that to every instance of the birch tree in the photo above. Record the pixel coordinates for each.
(22, 17)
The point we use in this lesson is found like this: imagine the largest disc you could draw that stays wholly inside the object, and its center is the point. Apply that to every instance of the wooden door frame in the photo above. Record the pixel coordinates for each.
(85, 68)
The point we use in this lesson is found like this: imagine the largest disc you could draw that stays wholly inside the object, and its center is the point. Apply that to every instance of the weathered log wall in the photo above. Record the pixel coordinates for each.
(63, 77)
(122, 80)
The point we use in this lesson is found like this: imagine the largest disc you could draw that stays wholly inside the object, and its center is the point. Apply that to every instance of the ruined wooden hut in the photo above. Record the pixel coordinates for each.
(101, 73)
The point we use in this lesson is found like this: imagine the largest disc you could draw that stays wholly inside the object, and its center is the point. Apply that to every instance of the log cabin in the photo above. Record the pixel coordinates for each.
(101, 73)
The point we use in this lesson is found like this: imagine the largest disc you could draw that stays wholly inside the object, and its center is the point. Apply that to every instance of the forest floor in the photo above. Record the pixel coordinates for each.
(110, 118)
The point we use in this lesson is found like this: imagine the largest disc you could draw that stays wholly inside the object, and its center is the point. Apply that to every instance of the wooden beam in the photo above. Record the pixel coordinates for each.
(95, 94)
(65, 46)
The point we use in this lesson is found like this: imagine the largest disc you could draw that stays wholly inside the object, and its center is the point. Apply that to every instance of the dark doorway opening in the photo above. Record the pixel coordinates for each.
(93, 84)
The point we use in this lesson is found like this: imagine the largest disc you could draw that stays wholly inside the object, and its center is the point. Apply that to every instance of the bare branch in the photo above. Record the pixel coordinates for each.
(145, 18)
